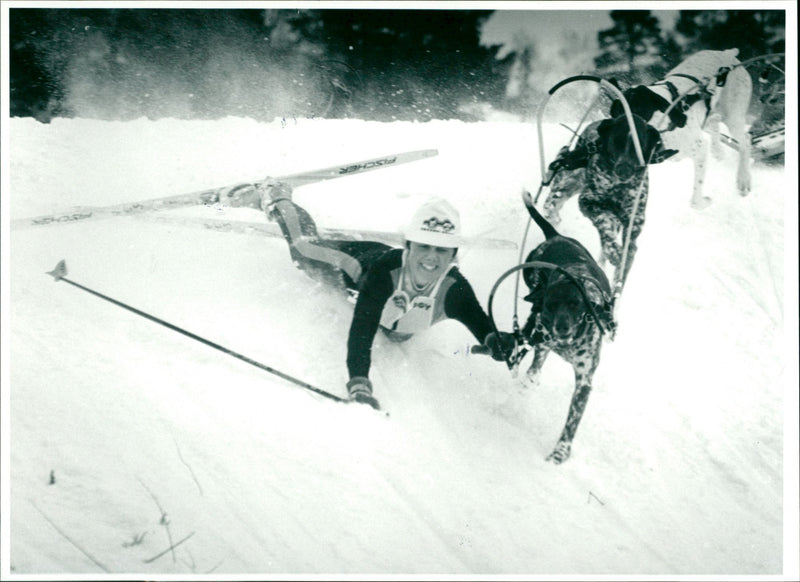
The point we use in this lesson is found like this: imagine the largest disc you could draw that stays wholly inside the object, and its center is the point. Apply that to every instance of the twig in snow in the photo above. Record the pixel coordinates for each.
(137, 539)
(193, 567)
(163, 520)
(190, 563)
(69, 539)
(180, 456)
(595, 496)
(216, 566)
(169, 549)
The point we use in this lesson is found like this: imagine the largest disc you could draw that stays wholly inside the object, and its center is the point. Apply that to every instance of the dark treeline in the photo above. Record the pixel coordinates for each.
(123, 63)
(371, 64)
(637, 46)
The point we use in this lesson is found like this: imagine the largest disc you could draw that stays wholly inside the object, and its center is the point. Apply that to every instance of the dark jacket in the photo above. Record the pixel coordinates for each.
(456, 299)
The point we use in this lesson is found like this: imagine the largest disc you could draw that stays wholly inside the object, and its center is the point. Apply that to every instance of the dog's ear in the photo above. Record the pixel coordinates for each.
(536, 281)
(534, 278)
(677, 116)
(653, 147)
(644, 102)
(616, 106)
(604, 129)
(662, 155)
(593, 294)
(652, 141)
(534, 296)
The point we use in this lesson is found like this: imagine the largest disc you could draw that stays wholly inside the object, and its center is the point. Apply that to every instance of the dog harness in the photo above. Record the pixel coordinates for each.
(701, 94)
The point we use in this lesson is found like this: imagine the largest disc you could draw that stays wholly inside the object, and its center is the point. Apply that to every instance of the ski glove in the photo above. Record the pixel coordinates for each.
(500, 345)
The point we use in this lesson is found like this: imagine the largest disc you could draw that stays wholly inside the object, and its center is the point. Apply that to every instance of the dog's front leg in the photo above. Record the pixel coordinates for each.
(743, 170)
(583, 387)
(700, 148)
(712, 127)
(564, 186)
(609, 229)
(534, 373)
(621, 271)
(552, 206)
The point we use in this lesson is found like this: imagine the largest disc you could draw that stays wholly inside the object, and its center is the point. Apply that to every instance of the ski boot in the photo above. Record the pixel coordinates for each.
(272, 192)
(241, 196)
(360, 390)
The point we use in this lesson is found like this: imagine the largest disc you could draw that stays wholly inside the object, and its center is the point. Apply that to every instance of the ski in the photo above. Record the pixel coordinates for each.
(273, 230)
(211, 196)
(765, 146)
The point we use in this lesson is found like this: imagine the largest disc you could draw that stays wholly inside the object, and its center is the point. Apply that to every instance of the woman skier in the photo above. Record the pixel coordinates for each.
(400, 291)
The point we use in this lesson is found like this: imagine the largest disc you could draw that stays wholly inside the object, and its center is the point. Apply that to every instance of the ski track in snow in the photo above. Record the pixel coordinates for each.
(677, 467)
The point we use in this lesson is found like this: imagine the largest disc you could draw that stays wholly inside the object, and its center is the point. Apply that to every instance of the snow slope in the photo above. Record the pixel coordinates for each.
(122, 437)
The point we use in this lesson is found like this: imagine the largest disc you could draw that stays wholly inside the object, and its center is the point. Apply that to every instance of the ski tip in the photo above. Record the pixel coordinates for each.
(481, 350)
(60, 271)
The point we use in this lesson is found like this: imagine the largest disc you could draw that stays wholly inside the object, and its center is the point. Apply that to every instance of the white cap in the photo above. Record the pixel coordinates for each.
(436, 223)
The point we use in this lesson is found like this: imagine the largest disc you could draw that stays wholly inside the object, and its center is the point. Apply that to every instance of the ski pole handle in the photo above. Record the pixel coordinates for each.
(481, 350)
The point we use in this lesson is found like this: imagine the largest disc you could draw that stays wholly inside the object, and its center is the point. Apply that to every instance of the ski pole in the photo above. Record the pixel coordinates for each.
(60, 274)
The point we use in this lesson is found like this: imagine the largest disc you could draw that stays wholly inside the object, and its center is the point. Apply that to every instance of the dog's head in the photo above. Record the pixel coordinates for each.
(645, 103)
(559, 306)
(563, 310)
(617, 152)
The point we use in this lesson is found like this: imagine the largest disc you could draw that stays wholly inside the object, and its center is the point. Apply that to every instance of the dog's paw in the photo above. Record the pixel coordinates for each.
(552, 215)
(611, 253)
(743, 185)
(555, 219)
(701, 203)
(533, 378)
(560, 453)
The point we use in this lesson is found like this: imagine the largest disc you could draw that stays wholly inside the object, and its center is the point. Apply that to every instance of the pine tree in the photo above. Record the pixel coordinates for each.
(632, 48)
(753, 32)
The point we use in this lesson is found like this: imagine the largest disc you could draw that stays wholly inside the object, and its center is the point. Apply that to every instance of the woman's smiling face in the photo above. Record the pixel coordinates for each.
(426, 263)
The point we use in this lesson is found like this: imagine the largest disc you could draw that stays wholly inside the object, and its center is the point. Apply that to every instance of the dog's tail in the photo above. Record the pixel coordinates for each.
(547, 228)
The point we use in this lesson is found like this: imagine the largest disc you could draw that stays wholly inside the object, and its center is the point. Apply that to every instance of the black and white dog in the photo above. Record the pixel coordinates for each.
(717, 89)
(570, 312)
(612, 186)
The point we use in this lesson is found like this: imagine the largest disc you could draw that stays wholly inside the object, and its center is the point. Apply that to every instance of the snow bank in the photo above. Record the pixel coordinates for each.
(125, 437)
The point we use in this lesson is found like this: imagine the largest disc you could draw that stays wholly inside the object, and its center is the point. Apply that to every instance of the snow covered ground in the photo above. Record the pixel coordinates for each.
(122, 438)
